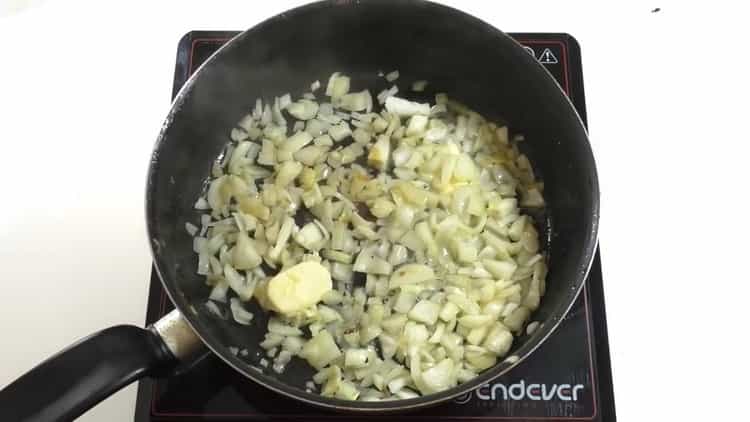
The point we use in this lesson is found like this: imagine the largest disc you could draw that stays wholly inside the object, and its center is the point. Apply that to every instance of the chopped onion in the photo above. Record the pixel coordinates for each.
(191, 228)
(202, 204)
(239, 313)
(425, 312)
(214, 310)
(243, 288)
(357, 101)
(380, 153)
(426, 200)
(310, 237)
(267, 155)
(303, 109)
(386, 93)
(417, 125)
(368, 262)
(340, 131)
(320, 350)
(244, 254)
(219, 291)
(402, 107)
(411, 274)
(438, 378)
(287, 172)
(338, 85)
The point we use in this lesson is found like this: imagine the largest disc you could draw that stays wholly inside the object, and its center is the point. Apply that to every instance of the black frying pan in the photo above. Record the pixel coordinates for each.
(459, 54)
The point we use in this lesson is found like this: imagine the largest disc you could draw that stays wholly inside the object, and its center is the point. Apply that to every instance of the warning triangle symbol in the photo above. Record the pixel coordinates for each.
(547, 57)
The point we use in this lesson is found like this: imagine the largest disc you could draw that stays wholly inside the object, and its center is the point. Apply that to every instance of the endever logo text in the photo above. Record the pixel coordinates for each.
(522, 391)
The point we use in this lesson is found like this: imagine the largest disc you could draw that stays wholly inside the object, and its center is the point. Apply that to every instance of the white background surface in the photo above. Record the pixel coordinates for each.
(84, 86)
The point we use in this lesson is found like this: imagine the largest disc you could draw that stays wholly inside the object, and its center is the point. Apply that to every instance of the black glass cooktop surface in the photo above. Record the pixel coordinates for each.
(567, 378)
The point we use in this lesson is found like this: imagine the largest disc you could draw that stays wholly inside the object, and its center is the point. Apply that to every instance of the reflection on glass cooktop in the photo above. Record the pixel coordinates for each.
(567, 378)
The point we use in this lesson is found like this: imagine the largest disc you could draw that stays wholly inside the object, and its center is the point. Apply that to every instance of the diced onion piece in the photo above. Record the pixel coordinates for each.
(467, 306)
(333, 382)
(355, 358)
(475, 321)
(339, 131)
(255, 207)
(276, 326)
(310, 155)
(404, 301)
(425, 312)
(532, 198)
(383, 96)
(357, 101)
(244, 254)
(202, 204)
(380, 153)
(347, 391)
(480, 358)
(500, 269)
(286, 173)
(417, 125)
(415, 334)
(320, 350)
(310, 237)
(239, 313)
(243, 288)
(278, 118)
(292, 145)
(438, 378)
(328, 315)
(382, 208)
(411, 274)
(219, 292)
(428, 240)
(402, 107)
(317, 127)
(398, 255)
(449, 311)
(532, 327)
(499, 340)
(341, 272)
(337, 256)
(401, 155)
(398, 383)
(517, 229)
(368, 262)
(303, 109)
(267, 156)
(191, 228)
(515, 320)
(281, 240)
(323, 140)
(338, 85)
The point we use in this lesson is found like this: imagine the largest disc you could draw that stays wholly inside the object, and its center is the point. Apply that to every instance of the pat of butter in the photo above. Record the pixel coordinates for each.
(298, 288)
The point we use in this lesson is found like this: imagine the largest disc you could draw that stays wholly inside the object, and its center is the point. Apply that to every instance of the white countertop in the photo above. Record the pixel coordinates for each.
(666, 95)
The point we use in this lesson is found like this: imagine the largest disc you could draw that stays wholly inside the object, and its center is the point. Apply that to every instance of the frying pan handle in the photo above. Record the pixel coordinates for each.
(72, 381)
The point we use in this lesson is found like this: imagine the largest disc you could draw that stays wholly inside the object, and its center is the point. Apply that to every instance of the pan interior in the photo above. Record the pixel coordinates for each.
(457, 54)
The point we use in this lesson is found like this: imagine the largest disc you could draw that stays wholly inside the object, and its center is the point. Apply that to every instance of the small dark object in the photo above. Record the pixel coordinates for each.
(656, 9)
(286, 52)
